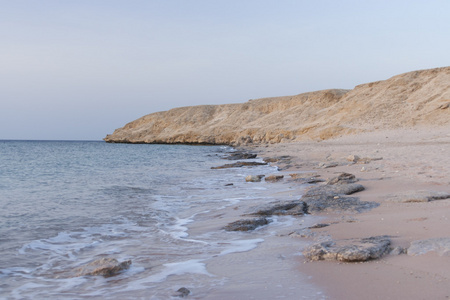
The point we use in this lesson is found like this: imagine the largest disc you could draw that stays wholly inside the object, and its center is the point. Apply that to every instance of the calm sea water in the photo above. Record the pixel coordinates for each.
(64, 204)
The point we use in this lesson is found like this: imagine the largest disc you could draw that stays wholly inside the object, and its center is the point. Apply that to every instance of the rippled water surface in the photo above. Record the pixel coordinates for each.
(64, 204)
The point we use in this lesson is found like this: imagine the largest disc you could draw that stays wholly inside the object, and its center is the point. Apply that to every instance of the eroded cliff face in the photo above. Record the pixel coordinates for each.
(403, 101)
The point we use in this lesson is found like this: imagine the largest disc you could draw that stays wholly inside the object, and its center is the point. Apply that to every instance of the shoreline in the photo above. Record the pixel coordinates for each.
(399, 161)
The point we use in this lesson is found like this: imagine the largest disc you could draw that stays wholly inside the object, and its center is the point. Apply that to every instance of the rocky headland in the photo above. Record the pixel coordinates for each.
(403, 101)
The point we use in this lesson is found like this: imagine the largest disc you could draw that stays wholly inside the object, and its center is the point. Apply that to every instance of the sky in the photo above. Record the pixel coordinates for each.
(79, 69)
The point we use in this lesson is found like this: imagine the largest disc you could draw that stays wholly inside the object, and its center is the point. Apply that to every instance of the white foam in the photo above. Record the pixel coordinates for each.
(59, 245)
(241, 246)
(179, 229)
(193, 266)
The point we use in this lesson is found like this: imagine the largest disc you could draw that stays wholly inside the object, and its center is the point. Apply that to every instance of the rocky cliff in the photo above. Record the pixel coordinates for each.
(403, 101)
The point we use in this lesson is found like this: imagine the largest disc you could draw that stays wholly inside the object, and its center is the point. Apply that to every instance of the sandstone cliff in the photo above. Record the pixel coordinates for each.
(403, 101)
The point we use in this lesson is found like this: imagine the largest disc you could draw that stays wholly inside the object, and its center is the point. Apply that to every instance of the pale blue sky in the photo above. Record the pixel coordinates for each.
(78, 69)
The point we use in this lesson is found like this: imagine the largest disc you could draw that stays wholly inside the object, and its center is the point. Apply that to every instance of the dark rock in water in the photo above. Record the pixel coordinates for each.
(229, 184)
(273, 178)
(246, 225)
(353, 250)
(182, 292)
(334, 190)
(319, 225)
(106, 267)
(240, 155)
(293, 208)
(343, 178)
(240, 164)
(254, 178)
(322, 203)
(282, 159)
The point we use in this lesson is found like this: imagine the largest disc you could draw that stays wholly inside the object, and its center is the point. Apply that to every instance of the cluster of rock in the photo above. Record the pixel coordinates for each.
(108, 267)
(258, 178)
(332, 195)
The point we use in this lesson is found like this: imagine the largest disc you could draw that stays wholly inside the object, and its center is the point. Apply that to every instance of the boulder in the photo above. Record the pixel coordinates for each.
(329, 203)
(240, 164)
(254, 178)
(343, 178)
(293, 208)
(106, 267)
(240, 155)
(326, 165)
(398, 251)
(330, 198)
(318, 225)
(246, 225)
(365, 160)
(439, 245)
(335, 190)
(182, 292)
(302, 233)
(353, 158)
(303, 175)
(313, 180)
(273, 178)
(306, 177)
(353, 250)
(418, 196)
(279, 159)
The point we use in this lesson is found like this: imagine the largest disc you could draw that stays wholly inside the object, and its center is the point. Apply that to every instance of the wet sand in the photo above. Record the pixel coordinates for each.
(405, 160)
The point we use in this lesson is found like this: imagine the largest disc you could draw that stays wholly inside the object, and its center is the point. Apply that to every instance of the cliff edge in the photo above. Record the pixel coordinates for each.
(418, 98)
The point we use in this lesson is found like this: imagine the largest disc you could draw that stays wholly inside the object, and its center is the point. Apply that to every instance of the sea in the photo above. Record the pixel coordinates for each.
(64, 204)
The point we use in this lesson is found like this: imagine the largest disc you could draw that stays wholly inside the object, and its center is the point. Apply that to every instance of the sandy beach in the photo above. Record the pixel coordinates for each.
(392, 162)
(389, 138)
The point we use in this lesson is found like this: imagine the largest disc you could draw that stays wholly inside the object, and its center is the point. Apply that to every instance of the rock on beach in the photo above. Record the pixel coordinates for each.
(293, 208)
(439, 245)
(352, 250)
(334, 190)
(418, 196)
